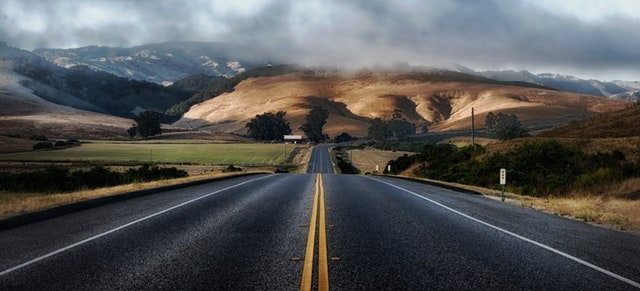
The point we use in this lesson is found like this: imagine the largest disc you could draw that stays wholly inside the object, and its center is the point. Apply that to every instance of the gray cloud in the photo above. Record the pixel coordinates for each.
(487, 34)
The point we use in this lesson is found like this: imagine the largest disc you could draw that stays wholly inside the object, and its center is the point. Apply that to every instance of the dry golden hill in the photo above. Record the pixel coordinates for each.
(621, 123)
(440, 98)
(24, 114)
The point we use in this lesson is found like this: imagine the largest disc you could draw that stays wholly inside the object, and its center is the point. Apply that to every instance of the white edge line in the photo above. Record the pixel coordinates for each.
(546, 247)
(27, 263)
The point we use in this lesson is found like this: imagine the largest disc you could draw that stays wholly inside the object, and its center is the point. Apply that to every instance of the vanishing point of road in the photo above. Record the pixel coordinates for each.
(317, 230)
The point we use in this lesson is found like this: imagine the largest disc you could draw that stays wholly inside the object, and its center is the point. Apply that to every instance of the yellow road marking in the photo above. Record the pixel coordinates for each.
(323, 269)
(307, 270)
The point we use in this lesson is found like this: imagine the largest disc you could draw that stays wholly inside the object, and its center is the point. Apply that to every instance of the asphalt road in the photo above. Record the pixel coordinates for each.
(253, 233)
(320, 161)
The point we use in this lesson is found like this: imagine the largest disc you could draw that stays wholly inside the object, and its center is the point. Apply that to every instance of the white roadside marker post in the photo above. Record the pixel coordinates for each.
(377, 169)
(503, 180)
(389, 168)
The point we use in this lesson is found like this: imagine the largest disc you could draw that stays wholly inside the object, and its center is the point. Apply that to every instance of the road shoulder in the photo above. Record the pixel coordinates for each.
(592, 210)
(50, 206)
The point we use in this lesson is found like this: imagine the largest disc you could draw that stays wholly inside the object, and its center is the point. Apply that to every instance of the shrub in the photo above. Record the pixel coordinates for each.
(73, 141)
(537, 168)
(42, 145)
(232, 168)
(400, 164)
(61, 179)
(60, 144)
(38, 137)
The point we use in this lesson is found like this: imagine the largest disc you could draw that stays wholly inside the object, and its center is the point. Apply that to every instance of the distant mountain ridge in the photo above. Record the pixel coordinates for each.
(161, 63)
(622, 90)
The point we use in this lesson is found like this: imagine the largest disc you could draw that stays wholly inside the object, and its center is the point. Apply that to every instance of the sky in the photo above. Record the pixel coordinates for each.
(585, 38)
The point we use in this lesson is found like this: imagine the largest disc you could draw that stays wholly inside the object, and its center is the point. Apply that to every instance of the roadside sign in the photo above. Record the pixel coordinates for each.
(503, 177)
(293, 137)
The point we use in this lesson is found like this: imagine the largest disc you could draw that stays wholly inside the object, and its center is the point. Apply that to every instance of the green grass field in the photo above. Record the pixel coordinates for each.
(207, 154)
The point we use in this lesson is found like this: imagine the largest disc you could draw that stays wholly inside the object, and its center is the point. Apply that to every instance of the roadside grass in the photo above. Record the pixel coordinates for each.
(13, 204)
(367, 159)
(610, 211)
(195, 153)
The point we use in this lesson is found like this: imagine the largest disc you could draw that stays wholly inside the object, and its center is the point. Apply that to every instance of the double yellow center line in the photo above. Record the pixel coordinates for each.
(323, 269)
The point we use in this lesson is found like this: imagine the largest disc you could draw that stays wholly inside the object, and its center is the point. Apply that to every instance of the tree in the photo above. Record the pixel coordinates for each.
(148, 124)
(400, 127)
(268, 126)
(397, 127)
(313, 124)
(378, 130)
(132, 131)
(425, 128)
(505, 126)
(343, 137)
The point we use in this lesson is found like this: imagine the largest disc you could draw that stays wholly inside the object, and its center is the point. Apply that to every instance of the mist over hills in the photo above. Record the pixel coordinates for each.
(165, 63)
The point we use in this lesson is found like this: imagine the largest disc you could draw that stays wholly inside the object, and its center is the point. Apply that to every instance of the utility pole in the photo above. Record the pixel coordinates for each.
(473, 129)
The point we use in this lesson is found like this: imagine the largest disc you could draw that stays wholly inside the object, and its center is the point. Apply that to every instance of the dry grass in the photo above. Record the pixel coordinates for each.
(626, 189)
(302, 159)
(618, 213)
(622, 123)
(609, 211)
(12, 204)
(367, 159)
(465, 141)
(13, 145)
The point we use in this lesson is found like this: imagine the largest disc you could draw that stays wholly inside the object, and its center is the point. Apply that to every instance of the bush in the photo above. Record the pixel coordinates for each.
(60, 144)
(344, 165)
(42, 145)
(38, 137)
(343, 137)
(73, 141)
(232, 168)
(400, 164)
(60, 179)
(538, 168)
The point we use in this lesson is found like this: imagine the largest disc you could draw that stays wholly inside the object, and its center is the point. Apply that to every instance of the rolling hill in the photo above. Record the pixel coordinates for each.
(439, 98)
(84, 88)
(616, 124)
(24, 114)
